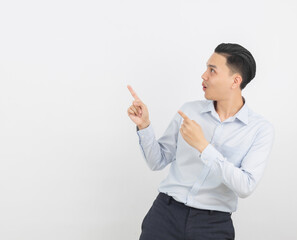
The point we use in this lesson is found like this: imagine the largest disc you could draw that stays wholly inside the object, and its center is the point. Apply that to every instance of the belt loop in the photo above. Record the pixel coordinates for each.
(169, 198)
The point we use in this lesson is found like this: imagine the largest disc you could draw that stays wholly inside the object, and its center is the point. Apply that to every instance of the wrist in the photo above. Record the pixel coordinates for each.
(202, 146)
(142, 126)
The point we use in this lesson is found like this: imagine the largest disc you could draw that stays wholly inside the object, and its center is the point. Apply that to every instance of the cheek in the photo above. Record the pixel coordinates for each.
(222, 84)
(216, 83)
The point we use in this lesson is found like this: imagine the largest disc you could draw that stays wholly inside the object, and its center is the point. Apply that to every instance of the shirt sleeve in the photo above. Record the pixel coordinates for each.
(243, 180)
(159, 153)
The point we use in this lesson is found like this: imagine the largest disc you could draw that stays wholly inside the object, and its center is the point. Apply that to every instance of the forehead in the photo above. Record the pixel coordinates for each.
(218, 60)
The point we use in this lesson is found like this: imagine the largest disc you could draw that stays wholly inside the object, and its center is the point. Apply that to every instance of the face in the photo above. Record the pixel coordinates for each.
(218, 81)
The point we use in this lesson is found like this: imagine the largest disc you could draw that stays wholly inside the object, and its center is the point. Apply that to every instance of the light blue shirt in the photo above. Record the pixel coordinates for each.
(231, 166)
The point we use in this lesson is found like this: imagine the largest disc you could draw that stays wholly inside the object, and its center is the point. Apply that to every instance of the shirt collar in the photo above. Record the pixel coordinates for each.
(242, 114)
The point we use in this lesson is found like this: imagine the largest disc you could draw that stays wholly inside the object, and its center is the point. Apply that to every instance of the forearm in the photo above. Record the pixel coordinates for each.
(156, 153)
(241, 180)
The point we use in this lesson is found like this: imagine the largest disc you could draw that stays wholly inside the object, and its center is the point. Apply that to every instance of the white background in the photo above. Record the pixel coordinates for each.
(70, 163)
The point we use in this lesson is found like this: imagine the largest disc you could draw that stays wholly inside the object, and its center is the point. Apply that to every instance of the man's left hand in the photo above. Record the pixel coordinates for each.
(192, 133)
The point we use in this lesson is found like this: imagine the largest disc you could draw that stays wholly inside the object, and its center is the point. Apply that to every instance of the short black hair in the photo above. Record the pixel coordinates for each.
(239, 60)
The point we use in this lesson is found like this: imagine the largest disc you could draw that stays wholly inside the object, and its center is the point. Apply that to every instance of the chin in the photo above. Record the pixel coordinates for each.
(210, 98)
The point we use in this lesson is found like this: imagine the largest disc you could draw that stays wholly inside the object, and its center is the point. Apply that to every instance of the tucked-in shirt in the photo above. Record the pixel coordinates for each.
(231, 165)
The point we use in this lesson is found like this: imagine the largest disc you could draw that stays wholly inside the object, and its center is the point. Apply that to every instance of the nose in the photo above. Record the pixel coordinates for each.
(204, 76)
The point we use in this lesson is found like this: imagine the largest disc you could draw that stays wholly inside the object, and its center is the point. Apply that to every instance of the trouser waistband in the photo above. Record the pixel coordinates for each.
(170, 200)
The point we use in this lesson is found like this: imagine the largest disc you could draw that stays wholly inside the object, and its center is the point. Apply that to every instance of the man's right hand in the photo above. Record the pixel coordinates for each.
(138, 111)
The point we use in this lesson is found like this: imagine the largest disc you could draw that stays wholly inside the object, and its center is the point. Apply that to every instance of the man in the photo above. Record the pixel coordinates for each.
(218, 149)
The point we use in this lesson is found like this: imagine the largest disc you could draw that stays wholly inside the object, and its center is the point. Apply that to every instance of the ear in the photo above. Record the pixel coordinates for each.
(236, 81)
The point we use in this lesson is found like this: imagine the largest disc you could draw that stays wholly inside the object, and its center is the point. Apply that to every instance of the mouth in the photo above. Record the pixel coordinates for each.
(204, 87)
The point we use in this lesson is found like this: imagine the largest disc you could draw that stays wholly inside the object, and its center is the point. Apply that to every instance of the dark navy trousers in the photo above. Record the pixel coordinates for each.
(168, 219)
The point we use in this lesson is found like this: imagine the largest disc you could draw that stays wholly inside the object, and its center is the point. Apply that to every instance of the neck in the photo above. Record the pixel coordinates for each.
(228, 108)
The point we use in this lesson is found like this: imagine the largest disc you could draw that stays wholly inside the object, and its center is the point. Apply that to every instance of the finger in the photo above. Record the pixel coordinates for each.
(138, 104)
(135, 110)
(130, 112)
(133, 93)
(138, 109)
(195, 122)
(182, 133)
(184, 116)
(184, 127)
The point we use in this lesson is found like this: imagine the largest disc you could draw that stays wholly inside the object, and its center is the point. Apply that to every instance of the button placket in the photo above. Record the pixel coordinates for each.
(217, 134)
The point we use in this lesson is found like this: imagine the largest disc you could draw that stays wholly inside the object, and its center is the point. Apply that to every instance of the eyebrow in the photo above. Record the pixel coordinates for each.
(210, 65)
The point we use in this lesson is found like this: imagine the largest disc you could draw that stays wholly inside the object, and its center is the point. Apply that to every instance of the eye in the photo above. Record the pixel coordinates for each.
(212, 69)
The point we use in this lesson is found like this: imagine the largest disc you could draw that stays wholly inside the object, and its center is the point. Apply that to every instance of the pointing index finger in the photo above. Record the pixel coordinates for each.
(184, 116)
(133, 93)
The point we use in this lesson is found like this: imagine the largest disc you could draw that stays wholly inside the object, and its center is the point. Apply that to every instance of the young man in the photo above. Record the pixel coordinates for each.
(218, 149)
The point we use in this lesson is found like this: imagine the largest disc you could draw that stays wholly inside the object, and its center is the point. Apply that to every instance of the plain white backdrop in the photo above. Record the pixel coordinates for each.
(70, 163)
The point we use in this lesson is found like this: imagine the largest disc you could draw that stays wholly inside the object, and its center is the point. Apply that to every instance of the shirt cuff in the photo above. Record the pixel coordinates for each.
(211, 154)
(146, 134)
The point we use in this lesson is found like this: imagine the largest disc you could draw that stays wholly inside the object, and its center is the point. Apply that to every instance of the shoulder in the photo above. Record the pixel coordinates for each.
(261, 123)
(195, 105)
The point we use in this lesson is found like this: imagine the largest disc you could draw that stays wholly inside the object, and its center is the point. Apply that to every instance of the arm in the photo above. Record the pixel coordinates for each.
(159, 153)
(243, 180)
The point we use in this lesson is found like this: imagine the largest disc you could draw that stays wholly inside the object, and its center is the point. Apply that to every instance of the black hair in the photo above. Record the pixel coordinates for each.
(239, 60)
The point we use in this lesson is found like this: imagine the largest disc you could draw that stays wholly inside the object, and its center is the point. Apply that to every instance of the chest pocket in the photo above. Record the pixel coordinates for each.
(234, 154)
